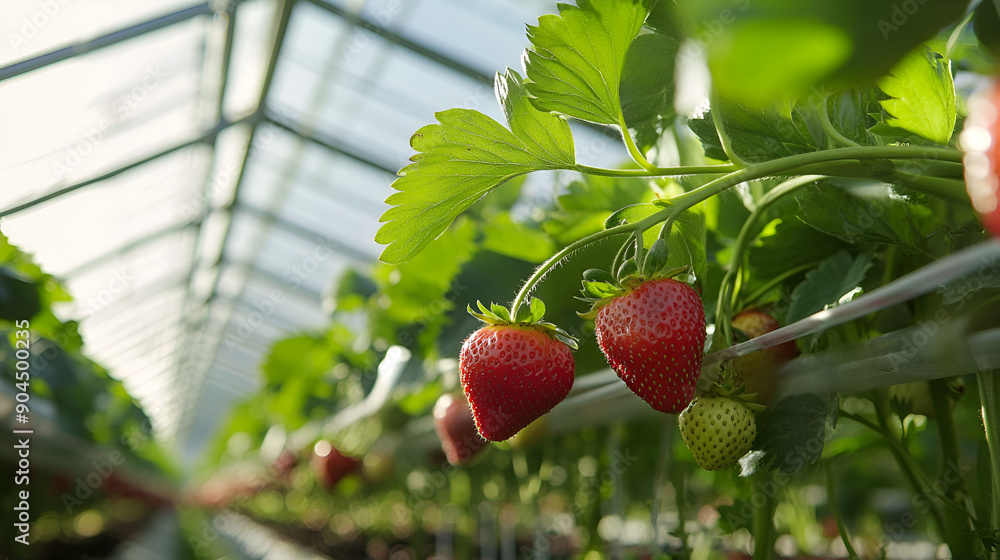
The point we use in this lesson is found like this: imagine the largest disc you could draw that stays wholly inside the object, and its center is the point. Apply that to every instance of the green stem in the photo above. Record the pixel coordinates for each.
(727, 144)
(783, 165)
(747, 234)
(764, 534)
(619, 257)
(960, 538)
(989, 395)
(686, 200)
(657, 171)
(578, 244)
(948, 189)
(841, 527)
(789, 163)
(908, 468)
(633, 150)
(832, 131)
(752, 298)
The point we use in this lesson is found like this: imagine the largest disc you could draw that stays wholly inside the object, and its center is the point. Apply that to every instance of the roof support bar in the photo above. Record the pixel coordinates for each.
(115, 37)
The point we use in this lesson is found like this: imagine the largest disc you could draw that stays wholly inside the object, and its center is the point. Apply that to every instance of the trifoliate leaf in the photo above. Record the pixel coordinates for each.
(575, 64)
(923, 96)
(464, 157)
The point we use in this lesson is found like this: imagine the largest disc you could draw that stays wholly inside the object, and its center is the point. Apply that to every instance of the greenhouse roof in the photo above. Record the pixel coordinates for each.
(199, 174)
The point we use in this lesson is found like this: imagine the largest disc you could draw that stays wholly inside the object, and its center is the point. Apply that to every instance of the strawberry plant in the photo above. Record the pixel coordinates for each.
(822, 181)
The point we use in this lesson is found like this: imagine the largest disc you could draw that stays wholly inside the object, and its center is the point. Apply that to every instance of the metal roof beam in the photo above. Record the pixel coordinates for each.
(113, 38)
(314, 137)
(207, 136)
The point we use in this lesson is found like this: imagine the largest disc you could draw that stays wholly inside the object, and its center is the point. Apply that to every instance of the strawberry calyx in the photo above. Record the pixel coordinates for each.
(600, 287)
(737, 393)
(527, 316)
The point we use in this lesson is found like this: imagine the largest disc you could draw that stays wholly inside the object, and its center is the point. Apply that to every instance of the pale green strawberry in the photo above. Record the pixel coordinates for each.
(717, 430)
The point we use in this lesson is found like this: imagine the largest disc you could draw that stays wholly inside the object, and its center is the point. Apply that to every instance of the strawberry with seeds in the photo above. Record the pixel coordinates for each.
(651, 329)
(718, 429)
(514, 370)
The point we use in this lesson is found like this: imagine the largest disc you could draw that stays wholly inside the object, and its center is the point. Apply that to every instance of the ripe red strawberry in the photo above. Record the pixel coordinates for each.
(457, 429)
(653, 336)
(757, 369)
(330, 465)
(514, 371)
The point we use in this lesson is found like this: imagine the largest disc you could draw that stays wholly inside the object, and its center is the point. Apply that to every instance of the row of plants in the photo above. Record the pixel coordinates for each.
(827, 166)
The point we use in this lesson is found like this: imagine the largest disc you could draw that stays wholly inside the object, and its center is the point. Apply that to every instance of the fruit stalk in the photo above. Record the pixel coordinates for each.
(837, 516)
(747, 233)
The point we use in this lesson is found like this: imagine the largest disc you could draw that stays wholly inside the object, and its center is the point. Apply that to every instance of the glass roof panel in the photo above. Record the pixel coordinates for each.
(35, 27)
(91, 114)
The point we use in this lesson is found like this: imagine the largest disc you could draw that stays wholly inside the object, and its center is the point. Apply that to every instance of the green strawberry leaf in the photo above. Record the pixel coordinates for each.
(874, 218)
(923, 96)
(792, 435)
(687, 244)
(647, 84)
(575, 64)
(824, 285)
(464, 157)
(520, 241)
(770, 49)
(850, 113)
(760, 133)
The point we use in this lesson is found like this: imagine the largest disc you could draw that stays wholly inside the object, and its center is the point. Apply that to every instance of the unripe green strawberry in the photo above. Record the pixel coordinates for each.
(717, 430)
(757, 369)
(514, 370)
(653, 336)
